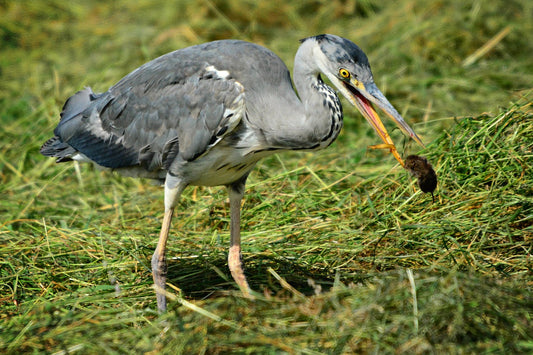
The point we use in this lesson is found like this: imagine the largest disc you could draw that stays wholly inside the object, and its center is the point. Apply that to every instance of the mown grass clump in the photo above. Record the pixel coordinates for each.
(345, 253)
(350, 285)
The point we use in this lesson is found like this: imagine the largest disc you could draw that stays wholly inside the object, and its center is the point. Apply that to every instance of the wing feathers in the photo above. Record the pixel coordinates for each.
(151, 117)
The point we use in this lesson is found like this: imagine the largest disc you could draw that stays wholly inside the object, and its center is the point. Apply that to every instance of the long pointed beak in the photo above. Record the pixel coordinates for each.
(362, 97)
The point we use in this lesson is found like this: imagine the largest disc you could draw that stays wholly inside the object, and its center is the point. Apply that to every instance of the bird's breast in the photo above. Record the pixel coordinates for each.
(222, 165)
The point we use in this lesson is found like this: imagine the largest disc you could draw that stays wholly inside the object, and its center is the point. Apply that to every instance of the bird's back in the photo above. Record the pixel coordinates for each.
(254, 66)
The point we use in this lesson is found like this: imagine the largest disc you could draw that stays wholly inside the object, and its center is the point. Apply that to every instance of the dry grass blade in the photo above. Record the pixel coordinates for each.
(471, 59)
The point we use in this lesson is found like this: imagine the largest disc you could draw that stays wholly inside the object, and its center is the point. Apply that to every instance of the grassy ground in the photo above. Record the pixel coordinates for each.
(346, 255)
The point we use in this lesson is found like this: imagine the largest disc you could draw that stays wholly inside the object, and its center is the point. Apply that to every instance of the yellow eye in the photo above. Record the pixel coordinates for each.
(344, 73)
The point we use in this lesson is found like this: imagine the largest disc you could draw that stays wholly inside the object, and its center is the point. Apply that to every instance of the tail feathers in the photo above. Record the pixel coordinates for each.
(74, 106)
(54, 147)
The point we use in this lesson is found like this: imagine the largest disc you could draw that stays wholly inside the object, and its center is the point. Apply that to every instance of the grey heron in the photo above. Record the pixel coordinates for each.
(204, 115)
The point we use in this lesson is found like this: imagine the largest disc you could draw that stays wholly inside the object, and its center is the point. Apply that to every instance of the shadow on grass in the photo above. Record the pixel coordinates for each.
(209, 276)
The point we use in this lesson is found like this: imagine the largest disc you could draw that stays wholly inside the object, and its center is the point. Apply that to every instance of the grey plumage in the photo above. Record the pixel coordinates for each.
(204, 115)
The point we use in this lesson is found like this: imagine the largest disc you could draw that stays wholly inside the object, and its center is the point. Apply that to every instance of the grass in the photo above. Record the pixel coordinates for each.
(346, 254)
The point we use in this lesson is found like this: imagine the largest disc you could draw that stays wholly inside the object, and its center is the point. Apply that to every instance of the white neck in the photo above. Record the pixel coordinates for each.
(323, 111)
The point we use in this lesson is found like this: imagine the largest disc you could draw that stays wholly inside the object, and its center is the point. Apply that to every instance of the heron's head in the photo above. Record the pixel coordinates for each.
(347, 67)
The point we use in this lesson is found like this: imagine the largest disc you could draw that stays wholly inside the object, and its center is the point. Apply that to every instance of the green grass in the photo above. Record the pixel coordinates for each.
(347, 256)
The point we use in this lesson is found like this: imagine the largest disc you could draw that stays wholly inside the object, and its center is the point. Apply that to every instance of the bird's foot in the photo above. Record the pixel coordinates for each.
(235, 266)
(392, 150)
(159, 273)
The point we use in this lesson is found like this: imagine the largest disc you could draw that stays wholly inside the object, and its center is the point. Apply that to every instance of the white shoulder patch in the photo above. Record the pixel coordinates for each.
(219, 74)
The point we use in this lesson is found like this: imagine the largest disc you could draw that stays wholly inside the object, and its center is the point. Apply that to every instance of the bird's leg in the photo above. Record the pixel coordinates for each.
(159, 265)
(236, 193)
(173, 190)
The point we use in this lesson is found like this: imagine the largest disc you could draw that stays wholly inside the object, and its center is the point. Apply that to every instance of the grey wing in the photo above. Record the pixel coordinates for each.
(151, 117)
